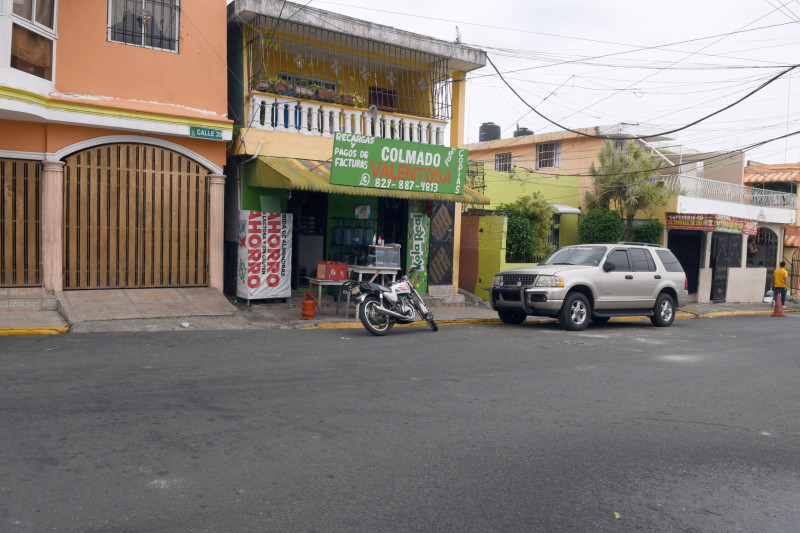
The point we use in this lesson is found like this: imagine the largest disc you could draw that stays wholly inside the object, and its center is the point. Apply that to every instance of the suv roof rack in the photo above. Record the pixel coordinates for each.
(640, 244)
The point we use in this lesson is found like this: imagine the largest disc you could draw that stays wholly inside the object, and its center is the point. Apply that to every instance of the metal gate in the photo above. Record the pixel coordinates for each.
(440, 263)
(726, 252)
(135, 216)
(20, 223)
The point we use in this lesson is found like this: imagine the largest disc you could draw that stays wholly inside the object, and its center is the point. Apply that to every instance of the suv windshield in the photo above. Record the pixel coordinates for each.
(576, 255)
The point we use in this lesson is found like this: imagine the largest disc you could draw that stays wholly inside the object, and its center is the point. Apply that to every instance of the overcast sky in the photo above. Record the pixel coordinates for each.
(584, 63)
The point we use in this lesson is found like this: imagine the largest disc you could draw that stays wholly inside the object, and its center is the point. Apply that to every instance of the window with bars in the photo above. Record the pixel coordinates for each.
(502, 162)
(548, 155)
(33, 37)
(147, 23)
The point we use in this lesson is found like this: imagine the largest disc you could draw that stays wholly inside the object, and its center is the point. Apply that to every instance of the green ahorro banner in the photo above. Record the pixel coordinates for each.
(365, 161)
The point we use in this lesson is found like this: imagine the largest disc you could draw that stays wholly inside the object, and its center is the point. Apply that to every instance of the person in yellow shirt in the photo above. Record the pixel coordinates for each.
(779, 283)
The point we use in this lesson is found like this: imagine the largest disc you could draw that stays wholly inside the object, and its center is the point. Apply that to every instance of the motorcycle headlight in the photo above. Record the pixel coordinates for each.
(549, 281)
(497, 281)
(355, 290)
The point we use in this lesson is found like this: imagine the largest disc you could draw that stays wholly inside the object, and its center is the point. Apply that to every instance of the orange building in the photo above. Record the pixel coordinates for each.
(113, 131)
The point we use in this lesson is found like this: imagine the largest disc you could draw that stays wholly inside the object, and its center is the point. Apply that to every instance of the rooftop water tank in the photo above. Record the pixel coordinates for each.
(489, 131)
(522, 132)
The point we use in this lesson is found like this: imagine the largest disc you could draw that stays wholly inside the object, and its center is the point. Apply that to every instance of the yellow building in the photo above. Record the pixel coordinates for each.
(297, 82)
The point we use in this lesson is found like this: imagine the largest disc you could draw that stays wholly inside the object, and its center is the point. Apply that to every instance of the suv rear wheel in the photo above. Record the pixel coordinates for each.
(575, 312)
(512, 317)
(664, 311)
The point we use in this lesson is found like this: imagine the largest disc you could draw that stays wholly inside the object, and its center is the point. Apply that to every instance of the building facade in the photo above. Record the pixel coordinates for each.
(113, 130)
(298, 86)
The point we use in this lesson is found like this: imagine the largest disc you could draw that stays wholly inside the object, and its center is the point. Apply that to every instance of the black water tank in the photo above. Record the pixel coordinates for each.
(522, 132)
(489, 131)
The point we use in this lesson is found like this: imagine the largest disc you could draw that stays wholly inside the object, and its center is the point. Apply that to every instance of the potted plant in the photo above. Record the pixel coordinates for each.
(326, 95)
(302, 89)
(346, 98)
(277, 84)
(261, 84)
(359, 101)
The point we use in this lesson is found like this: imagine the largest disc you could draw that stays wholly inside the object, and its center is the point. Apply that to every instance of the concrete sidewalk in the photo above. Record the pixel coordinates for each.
(207, 309)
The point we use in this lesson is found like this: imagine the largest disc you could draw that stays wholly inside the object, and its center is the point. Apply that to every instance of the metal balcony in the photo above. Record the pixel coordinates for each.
(728, 192)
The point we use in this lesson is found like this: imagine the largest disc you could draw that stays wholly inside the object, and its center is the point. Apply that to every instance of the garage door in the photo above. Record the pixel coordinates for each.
(20, 223)
(135, 216)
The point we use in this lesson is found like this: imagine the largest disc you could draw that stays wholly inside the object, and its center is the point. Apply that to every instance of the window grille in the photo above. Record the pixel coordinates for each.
(548, 155)
(502, 162)
(361, 72)
(147, 23)
(33, 37)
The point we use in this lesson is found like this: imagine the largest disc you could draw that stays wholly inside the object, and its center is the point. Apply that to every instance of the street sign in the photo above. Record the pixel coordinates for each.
(205, 133)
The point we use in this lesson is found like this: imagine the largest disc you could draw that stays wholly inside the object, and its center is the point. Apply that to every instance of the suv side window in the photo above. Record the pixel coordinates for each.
(620, 260)
(671, 263)
(641, 260)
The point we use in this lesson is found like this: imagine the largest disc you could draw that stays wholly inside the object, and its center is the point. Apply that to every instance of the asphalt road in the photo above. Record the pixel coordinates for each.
(623, 427)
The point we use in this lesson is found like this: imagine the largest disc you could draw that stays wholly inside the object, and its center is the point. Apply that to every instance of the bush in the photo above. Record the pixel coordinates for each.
(650, 231)
(601, 225)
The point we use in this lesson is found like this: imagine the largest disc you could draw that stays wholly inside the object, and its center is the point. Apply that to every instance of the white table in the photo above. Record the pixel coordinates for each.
(384, 272)
(328, 283)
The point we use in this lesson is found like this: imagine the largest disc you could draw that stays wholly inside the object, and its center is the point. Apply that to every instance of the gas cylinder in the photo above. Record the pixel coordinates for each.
(309, 307)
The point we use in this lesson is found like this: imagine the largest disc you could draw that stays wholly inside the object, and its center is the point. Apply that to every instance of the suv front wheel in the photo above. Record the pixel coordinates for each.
(575, 312)
(664, 311)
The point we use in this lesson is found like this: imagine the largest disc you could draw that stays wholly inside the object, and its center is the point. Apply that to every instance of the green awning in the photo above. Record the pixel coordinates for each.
(311, 175)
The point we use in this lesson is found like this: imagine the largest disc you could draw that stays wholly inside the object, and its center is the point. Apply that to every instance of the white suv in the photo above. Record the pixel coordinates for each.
(594, 281)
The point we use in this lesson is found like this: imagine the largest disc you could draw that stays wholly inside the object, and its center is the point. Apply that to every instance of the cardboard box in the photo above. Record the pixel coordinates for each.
(331, 270)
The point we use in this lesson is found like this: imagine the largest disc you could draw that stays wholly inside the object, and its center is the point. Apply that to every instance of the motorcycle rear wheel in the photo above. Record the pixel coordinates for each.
(374, 322)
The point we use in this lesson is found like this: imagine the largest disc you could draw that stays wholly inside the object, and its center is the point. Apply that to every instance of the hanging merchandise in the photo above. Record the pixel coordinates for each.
(265, 255)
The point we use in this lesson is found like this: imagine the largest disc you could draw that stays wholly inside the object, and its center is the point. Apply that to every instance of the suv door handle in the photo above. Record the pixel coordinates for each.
(629, 276)
(657, 276)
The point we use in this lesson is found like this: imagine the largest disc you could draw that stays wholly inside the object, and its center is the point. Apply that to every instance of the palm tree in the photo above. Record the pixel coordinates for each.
(628, 181)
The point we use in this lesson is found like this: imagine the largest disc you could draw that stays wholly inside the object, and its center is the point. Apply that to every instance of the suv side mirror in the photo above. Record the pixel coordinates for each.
(608, 266)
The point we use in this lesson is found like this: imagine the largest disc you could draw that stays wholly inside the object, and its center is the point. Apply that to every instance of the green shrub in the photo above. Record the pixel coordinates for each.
(601, 225)
(651, 231)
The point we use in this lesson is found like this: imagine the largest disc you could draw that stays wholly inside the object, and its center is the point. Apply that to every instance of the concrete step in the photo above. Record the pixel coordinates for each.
(28, 299)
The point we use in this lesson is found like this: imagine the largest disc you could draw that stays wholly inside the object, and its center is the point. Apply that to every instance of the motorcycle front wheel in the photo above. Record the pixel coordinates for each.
(374, 322)
(431, 322)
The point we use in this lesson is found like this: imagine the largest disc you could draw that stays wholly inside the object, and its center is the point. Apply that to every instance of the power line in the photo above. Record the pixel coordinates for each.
(548, 119)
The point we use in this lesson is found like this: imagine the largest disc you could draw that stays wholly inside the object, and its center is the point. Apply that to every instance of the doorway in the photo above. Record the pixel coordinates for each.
(687, 245)
(726, 252)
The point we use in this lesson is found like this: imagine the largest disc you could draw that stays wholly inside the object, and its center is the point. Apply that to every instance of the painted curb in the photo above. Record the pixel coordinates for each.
(52, 330)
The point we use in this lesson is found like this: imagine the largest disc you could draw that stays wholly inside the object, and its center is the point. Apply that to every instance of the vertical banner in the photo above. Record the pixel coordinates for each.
(265, 255)
(418, 230)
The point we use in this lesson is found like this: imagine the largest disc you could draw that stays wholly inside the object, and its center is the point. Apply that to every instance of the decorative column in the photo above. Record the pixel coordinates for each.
(52, 225)
(216, 230)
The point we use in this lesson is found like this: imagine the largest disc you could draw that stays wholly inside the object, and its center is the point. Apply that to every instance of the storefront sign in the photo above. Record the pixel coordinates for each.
(265, 255)
(690, 221)
(418, 232)
(721, 223)
(205, 133)
(365, 161)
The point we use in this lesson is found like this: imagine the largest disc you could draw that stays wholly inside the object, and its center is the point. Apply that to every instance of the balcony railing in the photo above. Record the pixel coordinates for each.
(309, 117)
(729, 192)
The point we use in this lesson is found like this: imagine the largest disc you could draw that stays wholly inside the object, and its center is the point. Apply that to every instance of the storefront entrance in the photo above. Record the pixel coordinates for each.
(687, 246)
(726, 252)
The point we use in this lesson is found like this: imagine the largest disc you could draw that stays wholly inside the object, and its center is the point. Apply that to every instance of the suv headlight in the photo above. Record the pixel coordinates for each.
(549, 281)
(497, 281)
